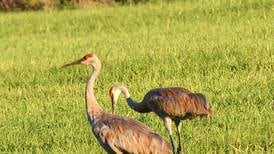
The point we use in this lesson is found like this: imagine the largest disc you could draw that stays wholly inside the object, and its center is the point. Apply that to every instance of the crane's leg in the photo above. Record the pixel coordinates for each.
(178, 127)
(168, 125)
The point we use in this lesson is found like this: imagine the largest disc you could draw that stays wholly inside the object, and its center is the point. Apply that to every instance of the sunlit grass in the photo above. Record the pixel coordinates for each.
(221, 48)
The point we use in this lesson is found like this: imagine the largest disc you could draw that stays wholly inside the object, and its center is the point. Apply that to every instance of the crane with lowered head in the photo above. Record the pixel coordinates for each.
(170, 104)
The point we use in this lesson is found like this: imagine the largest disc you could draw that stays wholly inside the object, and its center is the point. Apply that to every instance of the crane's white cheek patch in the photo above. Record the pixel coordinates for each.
(116, 95)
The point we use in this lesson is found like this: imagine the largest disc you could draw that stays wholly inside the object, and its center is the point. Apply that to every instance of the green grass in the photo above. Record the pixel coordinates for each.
(222, 48)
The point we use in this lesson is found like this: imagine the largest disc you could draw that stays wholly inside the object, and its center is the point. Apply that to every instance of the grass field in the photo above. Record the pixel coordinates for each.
(222, 48)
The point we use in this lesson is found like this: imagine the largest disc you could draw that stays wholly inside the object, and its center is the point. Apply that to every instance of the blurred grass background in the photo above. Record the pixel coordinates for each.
(16, 5)
(222, 48)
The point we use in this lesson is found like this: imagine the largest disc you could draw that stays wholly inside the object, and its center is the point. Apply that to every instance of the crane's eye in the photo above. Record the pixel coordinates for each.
(89, 55)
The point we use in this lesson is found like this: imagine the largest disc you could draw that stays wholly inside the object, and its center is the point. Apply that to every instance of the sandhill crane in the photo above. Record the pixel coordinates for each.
(170, 104)
(117, 134)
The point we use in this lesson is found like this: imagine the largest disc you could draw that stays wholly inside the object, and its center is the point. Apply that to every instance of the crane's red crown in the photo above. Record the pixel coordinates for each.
(110, 91)
(89, 55)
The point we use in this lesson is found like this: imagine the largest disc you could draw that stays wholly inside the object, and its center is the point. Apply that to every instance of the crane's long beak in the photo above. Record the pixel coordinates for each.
(73, 63)
(112, 105)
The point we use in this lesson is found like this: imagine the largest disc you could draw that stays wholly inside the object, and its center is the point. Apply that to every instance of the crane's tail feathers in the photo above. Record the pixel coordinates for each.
(210, 112)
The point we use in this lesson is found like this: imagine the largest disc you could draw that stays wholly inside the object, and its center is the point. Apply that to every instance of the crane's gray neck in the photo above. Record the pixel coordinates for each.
(132, 104)
(139, 107)
(92, 107)
(125, 92)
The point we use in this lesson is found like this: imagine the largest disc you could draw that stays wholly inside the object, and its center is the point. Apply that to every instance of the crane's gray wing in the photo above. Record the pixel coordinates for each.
(177, 102)
(123, 135)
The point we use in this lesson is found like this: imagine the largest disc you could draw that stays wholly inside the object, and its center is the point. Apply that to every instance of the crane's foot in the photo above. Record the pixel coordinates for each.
(179, 149)
(174, 152)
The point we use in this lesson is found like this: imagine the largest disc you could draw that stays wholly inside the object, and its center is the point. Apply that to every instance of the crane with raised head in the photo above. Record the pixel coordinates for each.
(170, 104)
(117, 134)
